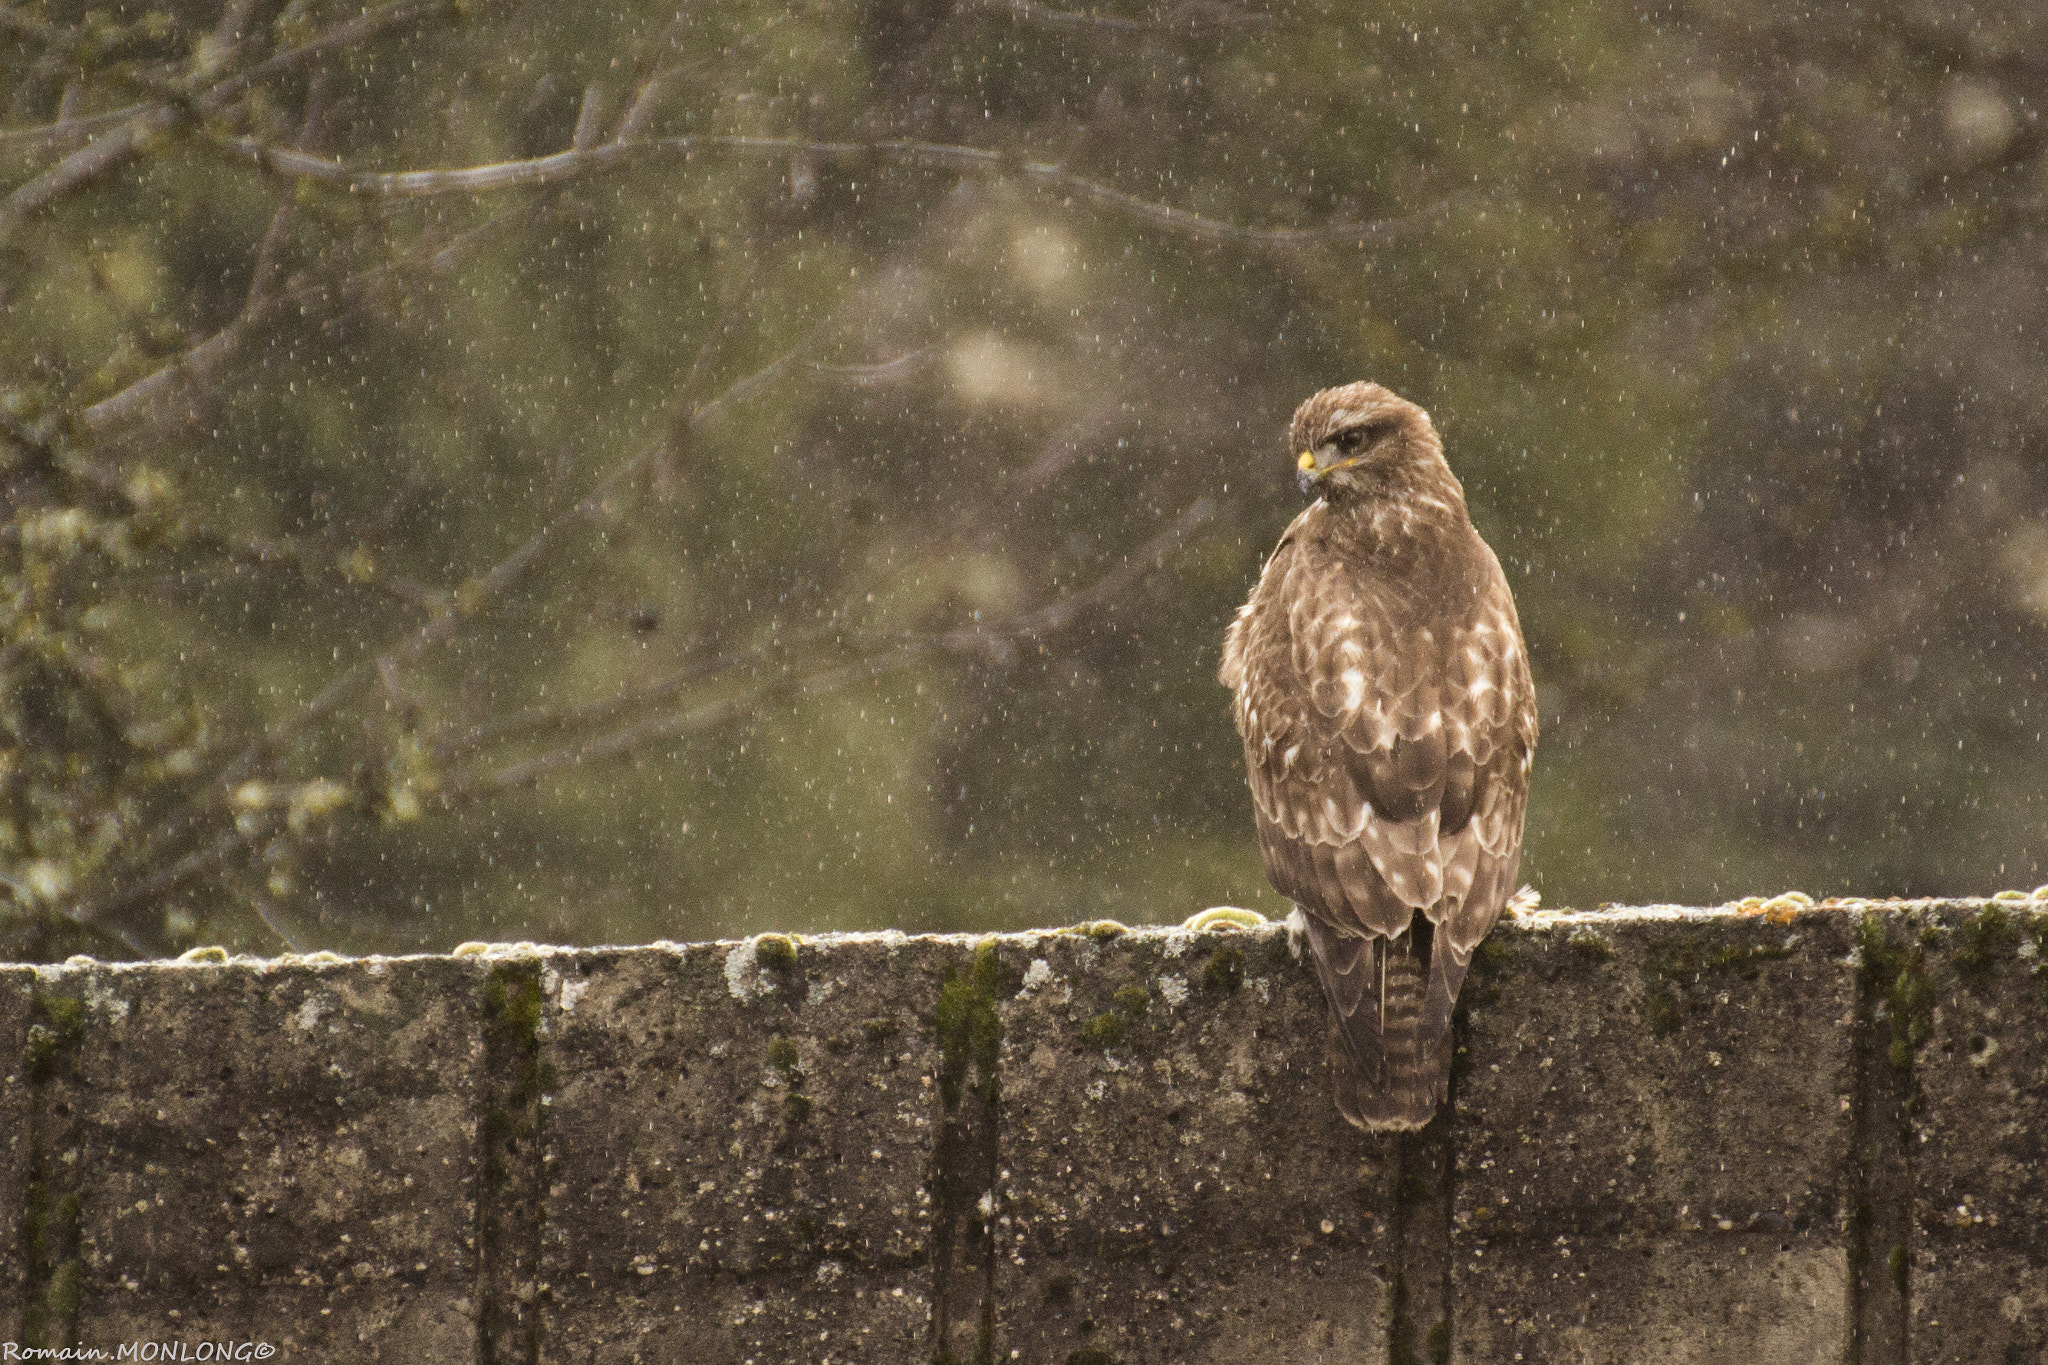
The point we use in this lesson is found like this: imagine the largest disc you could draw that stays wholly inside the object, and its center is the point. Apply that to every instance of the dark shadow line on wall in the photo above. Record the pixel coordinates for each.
(511, 1214)
(1893, 1000)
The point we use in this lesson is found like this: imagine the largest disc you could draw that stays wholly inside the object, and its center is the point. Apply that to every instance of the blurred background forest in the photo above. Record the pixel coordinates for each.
(497, 469)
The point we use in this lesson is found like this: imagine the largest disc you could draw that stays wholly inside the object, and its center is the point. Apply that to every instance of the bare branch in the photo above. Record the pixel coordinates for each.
(108, 152)
(572, 164)
(462, 605)
(234, 16)
(640, 114)
(262, 552)
(882, 372)
(64, 130)
(1189, 18)
(115, 912)
(1064, 446)
(120, 903)
(1136, 564)
(540, 722)
(359, 29)
(589, 118)
(274, 922)
(201, 361)
(87, 164)
(195, 362)
(1060, 18)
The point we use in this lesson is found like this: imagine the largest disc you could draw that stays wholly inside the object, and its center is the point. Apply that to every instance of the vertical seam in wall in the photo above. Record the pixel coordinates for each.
(964, 1152)
(511, 1214)
(1441, 1344)
(1892, 998)
(52, 1266)
(1419, 1205)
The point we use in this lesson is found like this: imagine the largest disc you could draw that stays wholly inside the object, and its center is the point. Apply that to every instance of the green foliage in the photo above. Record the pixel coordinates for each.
(93, 740)
(813, 529)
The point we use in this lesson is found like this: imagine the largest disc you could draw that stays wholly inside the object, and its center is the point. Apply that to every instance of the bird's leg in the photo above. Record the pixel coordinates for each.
(1297, 931)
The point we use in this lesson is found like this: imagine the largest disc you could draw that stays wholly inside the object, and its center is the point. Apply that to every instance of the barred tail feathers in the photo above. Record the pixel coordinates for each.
(1390, 1070)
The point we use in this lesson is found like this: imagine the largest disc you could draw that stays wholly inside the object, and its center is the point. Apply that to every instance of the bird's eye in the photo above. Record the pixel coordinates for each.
(1358, 438)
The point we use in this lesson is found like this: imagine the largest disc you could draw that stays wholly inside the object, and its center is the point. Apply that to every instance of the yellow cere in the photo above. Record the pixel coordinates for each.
(1307, 460)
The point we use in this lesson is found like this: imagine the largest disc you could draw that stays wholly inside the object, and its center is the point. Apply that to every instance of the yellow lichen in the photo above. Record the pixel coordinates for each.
(1224, 917)
(1783, 908)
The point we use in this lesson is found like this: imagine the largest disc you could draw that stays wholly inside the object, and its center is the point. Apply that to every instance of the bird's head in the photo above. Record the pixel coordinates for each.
(1360, 439)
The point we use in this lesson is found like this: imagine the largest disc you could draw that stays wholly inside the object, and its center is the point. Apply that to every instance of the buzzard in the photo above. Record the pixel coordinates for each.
(1389, 721)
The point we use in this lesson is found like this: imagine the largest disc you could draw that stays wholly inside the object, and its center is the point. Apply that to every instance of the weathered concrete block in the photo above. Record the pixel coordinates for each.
(1655, 1140)
(17, 1136)
(278, 1152)
(1678, 1136)
(1174, 1182)
(738, 1143)
(1971, 999)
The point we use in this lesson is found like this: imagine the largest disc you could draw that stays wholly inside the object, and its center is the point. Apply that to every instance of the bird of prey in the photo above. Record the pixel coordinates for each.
(1389, 721)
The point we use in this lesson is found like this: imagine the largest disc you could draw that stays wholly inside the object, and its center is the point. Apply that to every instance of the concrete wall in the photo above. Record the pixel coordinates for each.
(1766, 1133)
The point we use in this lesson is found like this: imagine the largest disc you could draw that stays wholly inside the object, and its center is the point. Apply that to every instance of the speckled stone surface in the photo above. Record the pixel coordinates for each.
(738, 1152)
(1980, 1258)
(265, 1152)
(1088, 1145)
(15, 1133)
(1655, 1141)
(1176, 1184)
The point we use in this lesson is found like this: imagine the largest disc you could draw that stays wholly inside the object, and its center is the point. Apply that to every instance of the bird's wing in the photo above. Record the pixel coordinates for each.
(1387, 728)
(1490, 725)
(1310, 808)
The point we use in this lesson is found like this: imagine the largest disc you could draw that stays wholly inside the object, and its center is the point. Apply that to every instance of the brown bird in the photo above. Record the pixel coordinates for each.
(1389, 722)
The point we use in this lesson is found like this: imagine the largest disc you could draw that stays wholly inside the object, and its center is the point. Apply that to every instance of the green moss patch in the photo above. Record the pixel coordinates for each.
(1105, 1030)
(1224, 971)
(1895, 974)
(775, 953)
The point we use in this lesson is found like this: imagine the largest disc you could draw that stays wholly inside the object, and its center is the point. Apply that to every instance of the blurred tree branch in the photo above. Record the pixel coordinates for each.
(562, 167)
(1195, 17)
(149, 125)
(191, 457)
(995, 642)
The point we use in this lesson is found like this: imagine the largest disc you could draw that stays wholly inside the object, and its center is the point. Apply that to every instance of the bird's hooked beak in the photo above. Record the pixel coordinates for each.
(1311, 468)
(1308, 473)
